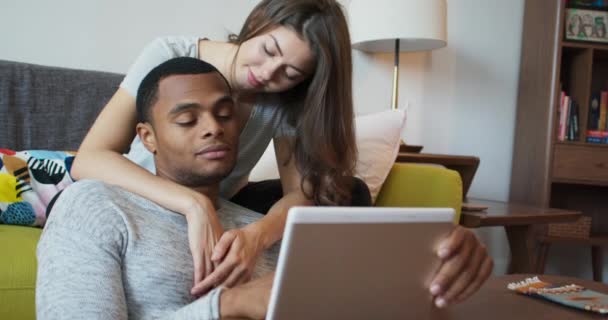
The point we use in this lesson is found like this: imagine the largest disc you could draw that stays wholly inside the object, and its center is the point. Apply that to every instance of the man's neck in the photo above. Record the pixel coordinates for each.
(211, 192)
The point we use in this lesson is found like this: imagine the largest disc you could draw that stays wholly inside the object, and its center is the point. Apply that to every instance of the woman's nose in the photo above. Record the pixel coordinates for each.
(268, 71)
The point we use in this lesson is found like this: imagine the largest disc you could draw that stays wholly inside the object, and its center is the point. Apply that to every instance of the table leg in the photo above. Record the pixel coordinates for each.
(520, 249)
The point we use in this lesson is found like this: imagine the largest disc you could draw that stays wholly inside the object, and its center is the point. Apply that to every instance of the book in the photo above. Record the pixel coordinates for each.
(569, 125)
(563, 117)
(570, 295)
(603, 106)
(595, 136)
(594, 112)
(573, 120)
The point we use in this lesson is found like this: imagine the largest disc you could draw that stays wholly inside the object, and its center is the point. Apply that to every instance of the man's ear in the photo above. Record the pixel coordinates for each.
(146, 134)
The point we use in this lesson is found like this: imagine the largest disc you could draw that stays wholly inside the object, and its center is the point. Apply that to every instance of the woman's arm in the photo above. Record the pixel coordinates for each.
(100, 158)
(273, 224)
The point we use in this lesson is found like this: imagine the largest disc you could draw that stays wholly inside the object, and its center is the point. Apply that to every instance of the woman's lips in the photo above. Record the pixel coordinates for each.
(253, 81)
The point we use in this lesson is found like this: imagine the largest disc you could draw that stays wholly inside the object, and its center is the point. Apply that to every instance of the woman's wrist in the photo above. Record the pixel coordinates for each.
(195, 204)
(258, 233)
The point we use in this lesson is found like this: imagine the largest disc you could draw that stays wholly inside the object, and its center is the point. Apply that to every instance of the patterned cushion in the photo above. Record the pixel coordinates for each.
(29, 182)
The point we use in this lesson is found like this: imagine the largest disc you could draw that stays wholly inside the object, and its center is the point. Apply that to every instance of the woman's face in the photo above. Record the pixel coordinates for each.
(273, 62)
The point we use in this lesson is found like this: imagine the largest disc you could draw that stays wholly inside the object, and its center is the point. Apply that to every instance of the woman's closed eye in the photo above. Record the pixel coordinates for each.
(224, 116)
(291, 76)
(267, 51)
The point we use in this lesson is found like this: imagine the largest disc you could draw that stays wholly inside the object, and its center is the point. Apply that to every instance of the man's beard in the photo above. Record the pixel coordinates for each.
(192, 179)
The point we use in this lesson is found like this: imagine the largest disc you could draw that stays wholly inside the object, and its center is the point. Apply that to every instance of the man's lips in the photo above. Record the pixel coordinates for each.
(214, 152)
(253, 81)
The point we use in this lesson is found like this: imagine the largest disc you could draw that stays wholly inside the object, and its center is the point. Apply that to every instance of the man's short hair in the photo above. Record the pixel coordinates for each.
(148, 89)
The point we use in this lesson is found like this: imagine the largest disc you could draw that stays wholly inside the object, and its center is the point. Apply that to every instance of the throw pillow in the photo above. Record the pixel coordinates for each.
(29, 181)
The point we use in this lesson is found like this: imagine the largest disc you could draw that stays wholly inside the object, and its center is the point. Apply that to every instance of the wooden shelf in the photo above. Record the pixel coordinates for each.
(570, 175)
(580, 182)
(585, 45)
(583, 144)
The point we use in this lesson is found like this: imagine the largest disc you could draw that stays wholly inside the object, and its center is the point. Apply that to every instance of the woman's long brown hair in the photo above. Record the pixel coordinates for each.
(320, 108)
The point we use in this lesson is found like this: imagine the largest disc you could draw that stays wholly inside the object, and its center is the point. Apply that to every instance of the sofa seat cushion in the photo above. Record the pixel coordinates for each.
(18, 271)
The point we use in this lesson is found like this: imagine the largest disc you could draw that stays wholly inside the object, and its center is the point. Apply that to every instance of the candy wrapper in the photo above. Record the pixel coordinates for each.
(570, 295)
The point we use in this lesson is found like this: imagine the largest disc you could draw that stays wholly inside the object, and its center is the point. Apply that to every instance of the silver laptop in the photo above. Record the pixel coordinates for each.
(358, 263)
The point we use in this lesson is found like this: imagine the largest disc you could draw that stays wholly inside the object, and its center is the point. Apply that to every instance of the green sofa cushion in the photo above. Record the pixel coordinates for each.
(18, 271)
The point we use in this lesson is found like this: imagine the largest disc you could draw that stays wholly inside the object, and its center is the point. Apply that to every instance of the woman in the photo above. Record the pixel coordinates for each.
(291, 67)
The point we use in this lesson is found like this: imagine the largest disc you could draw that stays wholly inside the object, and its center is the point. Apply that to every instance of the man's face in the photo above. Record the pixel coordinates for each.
(193, 132)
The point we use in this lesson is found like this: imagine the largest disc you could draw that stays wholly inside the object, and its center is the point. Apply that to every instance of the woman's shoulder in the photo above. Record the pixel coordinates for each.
(174, 46)
(156, 52)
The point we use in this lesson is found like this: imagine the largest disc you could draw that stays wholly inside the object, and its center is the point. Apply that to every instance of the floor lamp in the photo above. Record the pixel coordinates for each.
(397, 26)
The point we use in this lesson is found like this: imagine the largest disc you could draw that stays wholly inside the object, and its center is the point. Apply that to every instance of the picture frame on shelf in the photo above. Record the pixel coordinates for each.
(586, 25)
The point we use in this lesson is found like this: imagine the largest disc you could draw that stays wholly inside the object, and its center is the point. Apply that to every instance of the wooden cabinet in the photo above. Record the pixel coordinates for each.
(580, 163)
(545, 171)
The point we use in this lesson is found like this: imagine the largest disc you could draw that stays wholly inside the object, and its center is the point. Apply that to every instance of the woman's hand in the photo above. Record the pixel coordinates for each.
(234, 258)
(465, 267)
(204, 231)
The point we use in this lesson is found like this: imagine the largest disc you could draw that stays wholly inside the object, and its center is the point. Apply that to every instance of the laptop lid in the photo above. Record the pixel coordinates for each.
(358, 263)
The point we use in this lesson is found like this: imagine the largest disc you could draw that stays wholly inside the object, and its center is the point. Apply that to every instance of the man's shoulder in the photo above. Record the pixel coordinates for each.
(88, 204)
(90, 192)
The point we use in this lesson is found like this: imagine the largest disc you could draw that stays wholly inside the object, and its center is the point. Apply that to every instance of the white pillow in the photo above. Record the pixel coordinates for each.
(378, 136)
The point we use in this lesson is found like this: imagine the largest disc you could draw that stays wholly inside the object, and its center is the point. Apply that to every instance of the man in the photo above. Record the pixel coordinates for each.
(107, 253)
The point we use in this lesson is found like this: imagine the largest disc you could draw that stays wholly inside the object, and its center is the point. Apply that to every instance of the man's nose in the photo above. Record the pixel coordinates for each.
(211, 127)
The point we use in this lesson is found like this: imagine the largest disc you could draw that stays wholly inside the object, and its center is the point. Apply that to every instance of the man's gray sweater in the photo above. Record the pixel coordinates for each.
(107, 253)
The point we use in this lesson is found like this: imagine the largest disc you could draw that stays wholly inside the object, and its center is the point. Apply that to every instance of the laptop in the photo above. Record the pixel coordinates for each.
(358, 263)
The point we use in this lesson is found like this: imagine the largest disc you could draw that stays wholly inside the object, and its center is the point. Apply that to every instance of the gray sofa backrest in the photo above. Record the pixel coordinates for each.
(49, 107)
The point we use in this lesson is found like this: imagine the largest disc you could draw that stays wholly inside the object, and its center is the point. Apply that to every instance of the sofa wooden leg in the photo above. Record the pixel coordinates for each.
(597, 265)
(541, 260)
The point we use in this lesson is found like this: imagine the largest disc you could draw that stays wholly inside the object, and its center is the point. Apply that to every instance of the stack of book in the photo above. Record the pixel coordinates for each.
(597, 126)
(568, 119)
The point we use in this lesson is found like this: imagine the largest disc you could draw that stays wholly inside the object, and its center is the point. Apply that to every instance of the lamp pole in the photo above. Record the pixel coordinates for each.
(395, 99)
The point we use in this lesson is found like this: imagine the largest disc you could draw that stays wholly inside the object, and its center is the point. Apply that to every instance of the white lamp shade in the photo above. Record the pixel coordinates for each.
(419, 24)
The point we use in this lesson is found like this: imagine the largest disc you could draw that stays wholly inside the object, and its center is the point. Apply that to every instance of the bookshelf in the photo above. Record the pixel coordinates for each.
(546, 171)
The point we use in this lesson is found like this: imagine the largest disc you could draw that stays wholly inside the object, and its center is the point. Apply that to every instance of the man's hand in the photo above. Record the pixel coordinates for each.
(234, 258)
(204, 231)
(249, 300)
(465, 267)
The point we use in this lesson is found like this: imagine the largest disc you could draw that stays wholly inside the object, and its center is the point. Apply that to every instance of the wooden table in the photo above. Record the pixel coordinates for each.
(517, 220)
(494, 301)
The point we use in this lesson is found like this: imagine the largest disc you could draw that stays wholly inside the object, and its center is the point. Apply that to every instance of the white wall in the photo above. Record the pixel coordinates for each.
(462, 98)
(106, 34)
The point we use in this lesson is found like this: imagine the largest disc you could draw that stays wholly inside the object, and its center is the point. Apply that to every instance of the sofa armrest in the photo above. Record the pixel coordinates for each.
(415, 185)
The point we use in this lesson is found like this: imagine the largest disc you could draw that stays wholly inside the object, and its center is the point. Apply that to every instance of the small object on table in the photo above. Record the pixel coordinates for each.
(571, 295)
(473, 207)
(403, 147)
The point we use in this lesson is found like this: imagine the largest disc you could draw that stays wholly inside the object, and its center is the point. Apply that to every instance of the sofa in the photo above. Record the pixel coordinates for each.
(51, 108)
